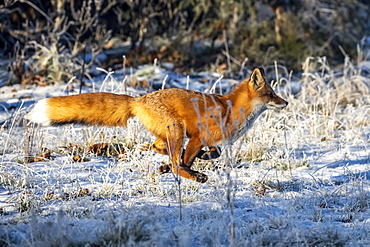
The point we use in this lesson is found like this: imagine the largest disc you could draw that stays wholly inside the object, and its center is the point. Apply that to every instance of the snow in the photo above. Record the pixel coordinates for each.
(299, 177)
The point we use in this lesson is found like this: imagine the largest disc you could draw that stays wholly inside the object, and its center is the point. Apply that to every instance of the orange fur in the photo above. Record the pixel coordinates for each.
(174, 114)
(93, 108)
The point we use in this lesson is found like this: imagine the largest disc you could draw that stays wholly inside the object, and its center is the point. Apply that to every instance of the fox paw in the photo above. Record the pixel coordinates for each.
(201, 178)
(164, 169)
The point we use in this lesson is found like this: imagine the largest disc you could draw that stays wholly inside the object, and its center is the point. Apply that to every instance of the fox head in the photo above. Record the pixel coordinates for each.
(263, 93)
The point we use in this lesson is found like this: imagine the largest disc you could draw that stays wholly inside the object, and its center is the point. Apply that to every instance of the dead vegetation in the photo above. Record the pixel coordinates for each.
(55, 41)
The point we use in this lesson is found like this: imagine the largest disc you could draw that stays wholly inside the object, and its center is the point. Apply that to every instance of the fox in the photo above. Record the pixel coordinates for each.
(173, 116)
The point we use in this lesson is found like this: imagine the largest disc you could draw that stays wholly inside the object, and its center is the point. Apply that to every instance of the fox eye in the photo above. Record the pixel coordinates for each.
(270, 95)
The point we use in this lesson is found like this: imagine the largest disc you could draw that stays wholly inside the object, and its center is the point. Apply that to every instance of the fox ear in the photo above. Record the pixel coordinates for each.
(258, 78)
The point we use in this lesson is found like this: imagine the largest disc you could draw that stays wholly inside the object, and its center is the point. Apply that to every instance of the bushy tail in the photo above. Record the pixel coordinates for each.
(91, 108)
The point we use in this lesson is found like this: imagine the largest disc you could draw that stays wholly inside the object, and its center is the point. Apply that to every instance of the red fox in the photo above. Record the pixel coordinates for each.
(171, 115)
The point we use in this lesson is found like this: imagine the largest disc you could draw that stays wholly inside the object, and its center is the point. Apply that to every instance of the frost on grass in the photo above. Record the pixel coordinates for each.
(299, 177)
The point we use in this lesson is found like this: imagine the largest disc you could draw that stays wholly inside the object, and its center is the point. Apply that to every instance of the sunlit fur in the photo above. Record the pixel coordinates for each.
(171, 115)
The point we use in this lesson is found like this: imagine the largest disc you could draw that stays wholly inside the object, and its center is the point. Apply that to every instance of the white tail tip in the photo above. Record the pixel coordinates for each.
(39, 113)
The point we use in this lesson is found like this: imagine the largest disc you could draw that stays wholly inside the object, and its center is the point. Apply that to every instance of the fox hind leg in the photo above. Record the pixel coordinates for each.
(171, 144)
(185, 172)
(160, 146)
(173, 148)
(183, 169)
(212, 153)
(193, 148)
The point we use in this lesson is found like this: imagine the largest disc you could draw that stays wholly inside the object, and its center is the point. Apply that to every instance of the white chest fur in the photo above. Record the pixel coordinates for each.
(248, 121)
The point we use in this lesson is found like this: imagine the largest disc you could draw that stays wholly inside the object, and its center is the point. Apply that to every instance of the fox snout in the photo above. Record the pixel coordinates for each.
(277, 104)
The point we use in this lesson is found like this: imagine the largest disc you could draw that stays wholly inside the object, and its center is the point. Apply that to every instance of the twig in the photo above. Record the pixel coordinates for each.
(227, 52)
(267, 54)
(230, 205)
(38, 10)
(153, 75)
(82, 69)
(164, 81)
(171, 152)
(11, 130)
(27, 139)
(231, 58)
(124, 73)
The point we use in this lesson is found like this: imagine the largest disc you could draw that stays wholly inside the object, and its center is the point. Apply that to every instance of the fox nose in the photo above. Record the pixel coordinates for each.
(283, 104)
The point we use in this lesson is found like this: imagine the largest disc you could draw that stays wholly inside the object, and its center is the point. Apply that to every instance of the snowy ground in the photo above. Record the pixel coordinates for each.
(300, 177)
